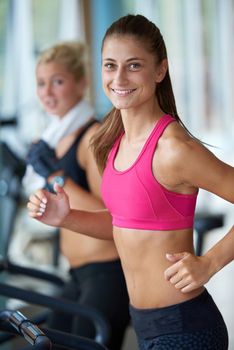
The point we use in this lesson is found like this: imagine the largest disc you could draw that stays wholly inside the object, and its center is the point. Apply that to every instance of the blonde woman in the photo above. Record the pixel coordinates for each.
(63, 155)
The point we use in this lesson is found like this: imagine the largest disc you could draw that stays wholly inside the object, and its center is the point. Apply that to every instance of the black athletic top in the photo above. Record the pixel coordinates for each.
(70, 164)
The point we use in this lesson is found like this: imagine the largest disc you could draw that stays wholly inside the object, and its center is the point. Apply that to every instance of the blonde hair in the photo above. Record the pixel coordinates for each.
(71, 54)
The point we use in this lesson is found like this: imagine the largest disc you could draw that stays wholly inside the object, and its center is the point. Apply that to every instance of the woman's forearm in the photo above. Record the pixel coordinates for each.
(97, 224)
(222, 252)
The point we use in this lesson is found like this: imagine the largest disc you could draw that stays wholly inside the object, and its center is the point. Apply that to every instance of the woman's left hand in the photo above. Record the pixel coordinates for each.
(188, 271)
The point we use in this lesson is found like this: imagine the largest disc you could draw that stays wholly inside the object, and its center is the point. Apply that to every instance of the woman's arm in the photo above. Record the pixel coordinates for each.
(54, 210)
(198, 167)
(79, 197)
(97, 224)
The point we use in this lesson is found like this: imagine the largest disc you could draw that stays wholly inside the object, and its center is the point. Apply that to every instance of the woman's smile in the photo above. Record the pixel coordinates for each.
(123, 92)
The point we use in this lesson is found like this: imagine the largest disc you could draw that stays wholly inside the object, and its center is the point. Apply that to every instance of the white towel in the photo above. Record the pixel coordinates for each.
(56, 130)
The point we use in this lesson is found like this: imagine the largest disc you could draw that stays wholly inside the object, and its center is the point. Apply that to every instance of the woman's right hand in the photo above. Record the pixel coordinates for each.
(49, 208)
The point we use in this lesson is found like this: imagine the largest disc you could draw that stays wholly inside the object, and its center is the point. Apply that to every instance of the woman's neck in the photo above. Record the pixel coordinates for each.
(140, 120)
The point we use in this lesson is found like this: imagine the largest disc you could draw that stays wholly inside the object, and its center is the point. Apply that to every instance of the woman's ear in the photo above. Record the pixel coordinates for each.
(161, 71)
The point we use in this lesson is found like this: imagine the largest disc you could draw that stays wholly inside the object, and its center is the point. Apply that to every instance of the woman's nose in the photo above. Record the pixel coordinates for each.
(47, 89)
(121, 76)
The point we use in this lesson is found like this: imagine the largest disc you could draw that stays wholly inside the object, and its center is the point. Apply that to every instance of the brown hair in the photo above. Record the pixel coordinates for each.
(145, 31)
(70, 54)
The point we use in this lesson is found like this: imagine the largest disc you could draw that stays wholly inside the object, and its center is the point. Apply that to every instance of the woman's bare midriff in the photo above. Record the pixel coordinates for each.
(143, 256)
(80, 249)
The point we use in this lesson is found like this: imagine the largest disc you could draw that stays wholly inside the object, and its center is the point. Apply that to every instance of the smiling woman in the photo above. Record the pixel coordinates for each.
(125, 69)
(55, 81)
(63, 156)
(152, 169)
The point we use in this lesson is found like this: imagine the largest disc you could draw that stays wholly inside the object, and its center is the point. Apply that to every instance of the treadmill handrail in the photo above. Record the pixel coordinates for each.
(7, 265)
(42, 338)
(30, 332)
(101, 326)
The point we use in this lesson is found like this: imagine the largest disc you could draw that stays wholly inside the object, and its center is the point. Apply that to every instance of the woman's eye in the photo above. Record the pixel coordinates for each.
(109, 66)
(40, 84)
(134, 66)
(57, 81)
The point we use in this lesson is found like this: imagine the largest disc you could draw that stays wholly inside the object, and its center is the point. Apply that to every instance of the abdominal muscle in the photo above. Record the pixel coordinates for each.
(143, 257)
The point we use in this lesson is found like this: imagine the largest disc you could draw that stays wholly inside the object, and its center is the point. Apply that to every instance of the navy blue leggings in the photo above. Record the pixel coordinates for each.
(195, 324)
(101, 285)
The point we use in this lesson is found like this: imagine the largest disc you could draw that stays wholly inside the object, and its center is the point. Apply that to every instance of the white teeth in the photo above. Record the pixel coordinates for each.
(123, 92)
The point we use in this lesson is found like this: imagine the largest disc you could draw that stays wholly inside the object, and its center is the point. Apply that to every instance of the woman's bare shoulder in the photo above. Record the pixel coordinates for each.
(177, 144)
(177, 152)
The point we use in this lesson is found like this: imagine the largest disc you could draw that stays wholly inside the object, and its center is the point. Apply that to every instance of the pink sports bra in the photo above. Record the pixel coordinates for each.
(137, 200)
